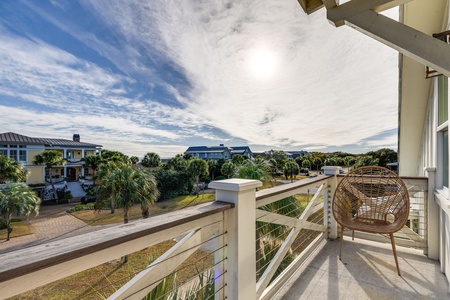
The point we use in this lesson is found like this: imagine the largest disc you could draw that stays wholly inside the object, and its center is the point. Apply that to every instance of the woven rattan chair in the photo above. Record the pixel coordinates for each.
(371, 199)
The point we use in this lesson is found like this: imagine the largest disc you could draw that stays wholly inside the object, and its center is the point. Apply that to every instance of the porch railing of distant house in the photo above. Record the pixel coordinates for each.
(257, 240)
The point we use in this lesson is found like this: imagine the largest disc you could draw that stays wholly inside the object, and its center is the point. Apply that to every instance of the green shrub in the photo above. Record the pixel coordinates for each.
(220, 178)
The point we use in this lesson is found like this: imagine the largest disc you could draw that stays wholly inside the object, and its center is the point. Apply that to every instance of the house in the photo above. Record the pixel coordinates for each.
(423, 148)
(24, 149)
(241, 150)
(218, 152)
(295, 154)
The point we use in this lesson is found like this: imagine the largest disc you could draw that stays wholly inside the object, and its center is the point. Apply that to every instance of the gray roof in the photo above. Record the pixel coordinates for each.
(16, 139)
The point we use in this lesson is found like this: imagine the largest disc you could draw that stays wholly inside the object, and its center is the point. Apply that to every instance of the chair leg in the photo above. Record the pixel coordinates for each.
(395, 253)
(340, 243)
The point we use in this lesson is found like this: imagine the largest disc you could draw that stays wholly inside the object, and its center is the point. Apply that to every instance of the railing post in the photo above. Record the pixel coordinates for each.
(433, 216)
(329, 220)
(240, 226)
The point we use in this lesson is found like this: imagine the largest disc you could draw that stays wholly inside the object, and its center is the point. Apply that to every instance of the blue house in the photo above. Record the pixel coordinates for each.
(210, 152)
(218, 152)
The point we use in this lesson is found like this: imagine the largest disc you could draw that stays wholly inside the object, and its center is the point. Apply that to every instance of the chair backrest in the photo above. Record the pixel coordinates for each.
(371, 195)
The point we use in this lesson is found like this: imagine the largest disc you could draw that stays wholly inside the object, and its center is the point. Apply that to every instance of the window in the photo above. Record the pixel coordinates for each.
(13, 154)
(443, 99)
(22, 155)
(442, 130)
(445, 159)
(4, 152)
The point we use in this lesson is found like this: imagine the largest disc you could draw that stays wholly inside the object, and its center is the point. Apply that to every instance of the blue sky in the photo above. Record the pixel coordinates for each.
(159, 76)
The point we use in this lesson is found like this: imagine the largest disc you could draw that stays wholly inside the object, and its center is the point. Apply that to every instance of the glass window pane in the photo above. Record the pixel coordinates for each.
(22, 155)
(443, 99)
(445, 159)
(13, 154)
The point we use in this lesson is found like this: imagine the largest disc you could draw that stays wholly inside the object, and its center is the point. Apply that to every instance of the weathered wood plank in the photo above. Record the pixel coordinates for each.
(29, 268)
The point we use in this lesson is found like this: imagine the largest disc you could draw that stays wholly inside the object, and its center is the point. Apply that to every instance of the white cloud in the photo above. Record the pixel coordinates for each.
(325, 86)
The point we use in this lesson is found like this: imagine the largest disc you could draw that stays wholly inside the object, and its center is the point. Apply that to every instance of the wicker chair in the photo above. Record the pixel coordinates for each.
(371, 199)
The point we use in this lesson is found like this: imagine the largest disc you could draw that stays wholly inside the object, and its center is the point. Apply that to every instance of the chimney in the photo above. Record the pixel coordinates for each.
(76, 137)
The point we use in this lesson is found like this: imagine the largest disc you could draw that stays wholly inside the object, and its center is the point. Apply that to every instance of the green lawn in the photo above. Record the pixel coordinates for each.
(104, 217)
(101, 281)
(19, 229)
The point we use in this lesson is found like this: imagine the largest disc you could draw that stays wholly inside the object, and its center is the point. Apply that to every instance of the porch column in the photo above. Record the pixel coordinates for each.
(329, 220)
(65, 155)
(433, 216)
(240, 225)
(82, 153)
(65, 171)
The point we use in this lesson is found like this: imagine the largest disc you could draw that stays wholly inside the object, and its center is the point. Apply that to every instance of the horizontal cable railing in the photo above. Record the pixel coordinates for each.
(29, 268)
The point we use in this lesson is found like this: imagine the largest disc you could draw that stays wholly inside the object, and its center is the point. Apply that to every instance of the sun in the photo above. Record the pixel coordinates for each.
(262, 64)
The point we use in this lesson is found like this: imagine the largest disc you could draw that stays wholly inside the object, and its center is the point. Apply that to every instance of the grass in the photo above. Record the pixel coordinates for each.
(101, 281)
(19, 229)
(105, 217)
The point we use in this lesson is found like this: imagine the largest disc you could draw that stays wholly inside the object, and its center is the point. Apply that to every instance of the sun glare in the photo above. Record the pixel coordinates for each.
(262, 64)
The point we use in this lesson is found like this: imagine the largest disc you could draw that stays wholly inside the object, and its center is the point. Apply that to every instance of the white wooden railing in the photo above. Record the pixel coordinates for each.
(229, 224)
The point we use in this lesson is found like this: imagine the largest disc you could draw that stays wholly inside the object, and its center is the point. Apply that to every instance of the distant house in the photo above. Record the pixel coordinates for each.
(241, 150)
(218, 152)
(295, 154)
(24, 149)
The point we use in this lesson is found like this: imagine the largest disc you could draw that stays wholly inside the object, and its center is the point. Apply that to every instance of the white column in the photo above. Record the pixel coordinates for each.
(240, 225)
(433, 216)
(64, 153)
(65, 171)
(329, 220)
(82, 153)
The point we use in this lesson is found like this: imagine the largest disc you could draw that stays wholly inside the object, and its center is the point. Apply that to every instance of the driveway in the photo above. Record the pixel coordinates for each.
(52, 223)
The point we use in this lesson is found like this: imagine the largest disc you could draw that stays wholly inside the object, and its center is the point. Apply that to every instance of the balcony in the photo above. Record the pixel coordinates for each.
(290, 252)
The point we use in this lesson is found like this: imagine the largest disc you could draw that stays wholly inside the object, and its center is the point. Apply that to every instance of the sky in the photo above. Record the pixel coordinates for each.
(161, 75)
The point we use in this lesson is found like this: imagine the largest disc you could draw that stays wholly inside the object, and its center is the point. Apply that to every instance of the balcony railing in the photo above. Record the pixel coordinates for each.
(257, 240)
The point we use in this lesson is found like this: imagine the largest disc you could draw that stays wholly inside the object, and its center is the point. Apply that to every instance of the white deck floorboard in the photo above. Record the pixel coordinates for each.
(367, 271)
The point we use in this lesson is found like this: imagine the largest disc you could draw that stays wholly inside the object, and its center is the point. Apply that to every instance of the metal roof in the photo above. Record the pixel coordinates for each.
(16, 139)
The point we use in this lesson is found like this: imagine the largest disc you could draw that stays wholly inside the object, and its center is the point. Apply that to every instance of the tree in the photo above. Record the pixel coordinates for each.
(125, 185)
(177, 163)
(151, 160)
(50, 158)
(19, 199)
(280, 157)
(94, 162)
(365, 160)
(212, 166)
(237, 159)
(291, 169)
(228, 169)
(116, 156)
(134, 160)
(197, 167)
(306, 163)
(317, 162)
(253, 170)
(11, 170)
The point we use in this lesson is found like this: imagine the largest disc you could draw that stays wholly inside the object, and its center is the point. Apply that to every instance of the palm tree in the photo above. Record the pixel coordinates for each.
(19, 199)
(134, 160)
(11, 170)
(317, 162)
(197, 167)
(306, 163)
(126, 185)
(94, 162)
(50, 158)
(291, 169)
(151, 160)
(254, 170)
(228, 169)
(212, 165)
